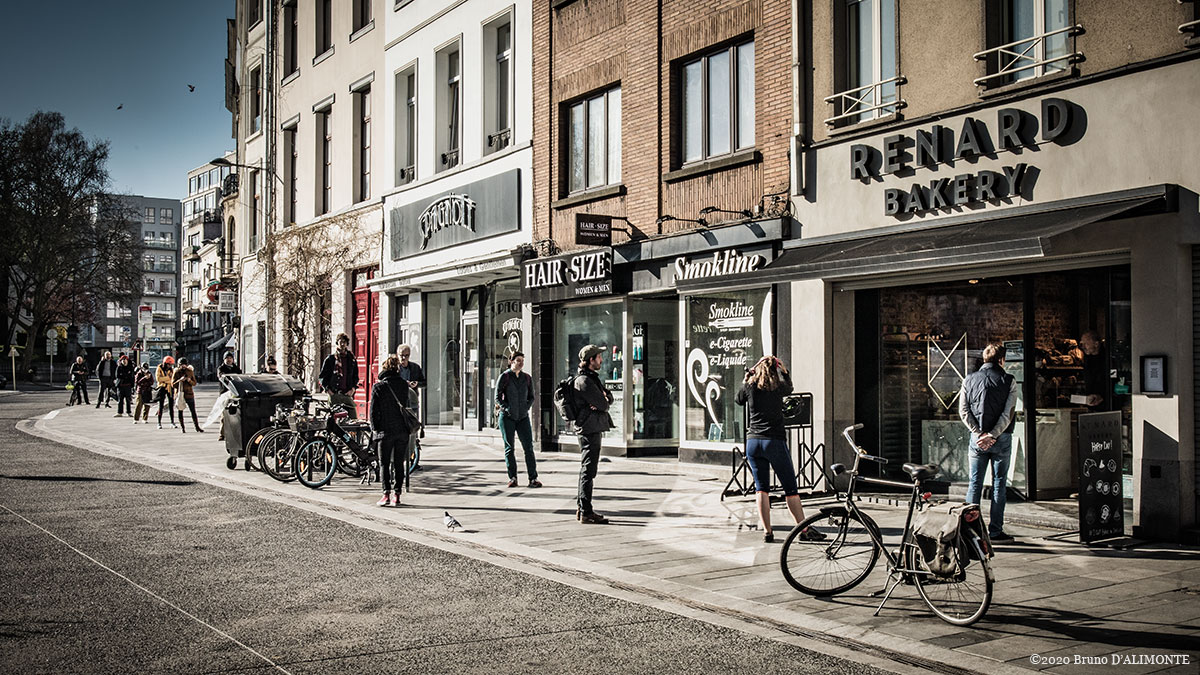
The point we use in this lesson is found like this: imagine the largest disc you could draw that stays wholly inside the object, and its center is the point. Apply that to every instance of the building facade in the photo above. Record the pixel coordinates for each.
(457, 207)
(204, 330)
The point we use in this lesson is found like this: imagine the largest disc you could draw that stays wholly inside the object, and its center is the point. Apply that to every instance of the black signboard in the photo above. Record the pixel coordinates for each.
(593, 230)
(480, 209)
(568, 277)
(1101, 503)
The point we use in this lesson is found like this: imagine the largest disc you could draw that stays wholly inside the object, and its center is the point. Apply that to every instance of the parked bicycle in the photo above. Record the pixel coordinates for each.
(853, 543)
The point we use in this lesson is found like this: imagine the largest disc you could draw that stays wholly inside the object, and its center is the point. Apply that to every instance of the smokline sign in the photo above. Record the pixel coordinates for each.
(477, 210)
(576, 275)
(939, 145)
(722, 263)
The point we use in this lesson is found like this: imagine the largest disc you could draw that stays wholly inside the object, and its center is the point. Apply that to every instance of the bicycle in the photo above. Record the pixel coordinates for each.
(318, 459)
(852, 544)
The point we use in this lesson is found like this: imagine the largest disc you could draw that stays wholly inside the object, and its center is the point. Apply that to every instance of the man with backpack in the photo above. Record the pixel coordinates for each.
(514, 397)
(588, 401)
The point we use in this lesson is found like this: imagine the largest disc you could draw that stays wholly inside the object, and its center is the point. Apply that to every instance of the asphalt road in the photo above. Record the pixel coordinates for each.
(111, 566)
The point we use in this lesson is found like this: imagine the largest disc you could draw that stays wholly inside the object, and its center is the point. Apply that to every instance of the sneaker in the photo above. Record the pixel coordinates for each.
(769, 537)
(118, 415)
(592, 519)
(160, 425)
(535, 483)
(512, 482)
(1001, 536)
(385, 500)
(809, 534)
(395, 500)
(173, 426)
(135, 421)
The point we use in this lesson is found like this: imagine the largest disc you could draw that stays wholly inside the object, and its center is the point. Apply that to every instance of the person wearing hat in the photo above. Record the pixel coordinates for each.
(271, 368)
(227, 367)
(163, 376)
(592, 420)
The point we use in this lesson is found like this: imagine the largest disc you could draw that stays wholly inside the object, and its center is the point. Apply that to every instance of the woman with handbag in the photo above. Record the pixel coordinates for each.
(762, 391)
(184, 382)
(389, 422)
(165, 393)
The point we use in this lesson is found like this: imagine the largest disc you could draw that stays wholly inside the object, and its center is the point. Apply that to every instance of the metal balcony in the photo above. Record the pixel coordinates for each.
(1031, 56)
(866, 101)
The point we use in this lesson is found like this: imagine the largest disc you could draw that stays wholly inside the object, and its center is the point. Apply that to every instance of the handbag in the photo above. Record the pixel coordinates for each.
(180, 402)
(411, 422)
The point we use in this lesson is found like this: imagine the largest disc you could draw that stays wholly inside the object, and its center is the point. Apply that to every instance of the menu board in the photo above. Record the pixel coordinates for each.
(1101, 503)
(726, 333)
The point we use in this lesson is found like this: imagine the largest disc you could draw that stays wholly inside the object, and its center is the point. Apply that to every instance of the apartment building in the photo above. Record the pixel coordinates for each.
(457, 100)
(1012, 171)
(665, 129)
(204, 330)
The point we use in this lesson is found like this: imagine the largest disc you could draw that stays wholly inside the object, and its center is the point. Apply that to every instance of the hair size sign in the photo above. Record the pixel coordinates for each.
(942, 146)
(577, 275)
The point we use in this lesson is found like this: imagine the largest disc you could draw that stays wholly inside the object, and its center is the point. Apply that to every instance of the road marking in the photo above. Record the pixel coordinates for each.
(151, 593)
(51, 415)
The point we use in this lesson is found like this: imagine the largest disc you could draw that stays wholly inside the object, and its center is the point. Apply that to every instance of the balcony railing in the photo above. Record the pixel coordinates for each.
(229, 186)
(867, 101)
(1192, 27)
(1011, 62)
(500, 139)
(163, 314)
(158, 267)
(149, 242)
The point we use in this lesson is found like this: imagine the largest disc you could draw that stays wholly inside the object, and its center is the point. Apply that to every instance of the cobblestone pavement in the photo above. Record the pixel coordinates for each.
(672, 540)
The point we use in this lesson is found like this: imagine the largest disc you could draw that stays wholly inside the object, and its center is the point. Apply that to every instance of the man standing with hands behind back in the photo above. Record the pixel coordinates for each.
(987, 405)
(591, 422)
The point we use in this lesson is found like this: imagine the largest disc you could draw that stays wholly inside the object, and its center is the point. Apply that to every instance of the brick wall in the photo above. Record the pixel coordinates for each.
(590, 45)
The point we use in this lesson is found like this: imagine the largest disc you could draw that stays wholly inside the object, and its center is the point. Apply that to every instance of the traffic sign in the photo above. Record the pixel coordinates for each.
(51, 347)
(51, 333)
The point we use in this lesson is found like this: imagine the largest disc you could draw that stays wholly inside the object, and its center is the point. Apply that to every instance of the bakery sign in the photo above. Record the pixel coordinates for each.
(938, 145)
(566, 277)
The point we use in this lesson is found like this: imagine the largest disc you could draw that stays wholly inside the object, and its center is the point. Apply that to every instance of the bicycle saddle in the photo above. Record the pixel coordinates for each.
(921, 471)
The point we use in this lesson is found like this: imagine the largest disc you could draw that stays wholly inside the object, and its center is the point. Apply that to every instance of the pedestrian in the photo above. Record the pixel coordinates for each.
(106, 371)
(339, 375)
(514, 397)
(79, 381)
(389, 397)
(227, 367)
(591, 422)
(986, 404)
(762, 392)
(411, 372)
(183, 381)
(125, 374)
(271, 369)
(143, 382)
(165, 391)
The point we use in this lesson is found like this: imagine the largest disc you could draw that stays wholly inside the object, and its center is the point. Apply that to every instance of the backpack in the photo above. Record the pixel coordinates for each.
(564, 399)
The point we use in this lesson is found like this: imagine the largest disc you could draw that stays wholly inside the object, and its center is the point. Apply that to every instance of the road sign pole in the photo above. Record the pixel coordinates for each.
(51, 369)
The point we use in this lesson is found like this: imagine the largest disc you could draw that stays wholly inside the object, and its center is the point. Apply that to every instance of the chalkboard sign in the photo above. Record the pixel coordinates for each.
(1101, 503)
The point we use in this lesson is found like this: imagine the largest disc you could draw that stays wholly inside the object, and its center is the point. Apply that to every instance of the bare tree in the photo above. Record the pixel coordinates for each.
(69, 243)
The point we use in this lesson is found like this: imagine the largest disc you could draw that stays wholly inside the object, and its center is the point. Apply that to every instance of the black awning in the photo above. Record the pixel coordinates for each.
(987, 239)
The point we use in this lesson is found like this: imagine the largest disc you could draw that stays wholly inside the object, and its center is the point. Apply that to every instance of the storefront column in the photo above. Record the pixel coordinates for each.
(1163, 434)
(810, 328)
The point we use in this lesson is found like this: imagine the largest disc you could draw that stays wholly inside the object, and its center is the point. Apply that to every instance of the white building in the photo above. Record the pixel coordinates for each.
(457, 207)
(203, 330)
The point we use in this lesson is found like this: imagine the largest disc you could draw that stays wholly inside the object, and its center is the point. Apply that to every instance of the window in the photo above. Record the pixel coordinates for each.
(449, 106)
(187, 210)
(210, 201)
(325, 196)
(362, 14)
(117, 333)
(148, 284)
(718, 103)
(255, 205)
(324, 26)
(292, 154)
(1035, 37)
(149, 217)
(166, 216)
(291, 39)
(192, 182)
(869, 78)
(256, 102)
(406, 125)
(168, 331)
(594, 141)
(363, 159)
(498, 75)
(113, 310)
(214, 179)
(255, 12)
(194, 240)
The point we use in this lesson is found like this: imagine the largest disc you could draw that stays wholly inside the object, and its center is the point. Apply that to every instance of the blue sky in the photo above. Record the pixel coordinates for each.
(83, 59)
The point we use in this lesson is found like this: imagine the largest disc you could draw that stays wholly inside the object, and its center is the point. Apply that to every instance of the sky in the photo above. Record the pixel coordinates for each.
(84, 59)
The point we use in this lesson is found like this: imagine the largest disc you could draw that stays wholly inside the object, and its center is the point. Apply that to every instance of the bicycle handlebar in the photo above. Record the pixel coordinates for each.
(861, 452)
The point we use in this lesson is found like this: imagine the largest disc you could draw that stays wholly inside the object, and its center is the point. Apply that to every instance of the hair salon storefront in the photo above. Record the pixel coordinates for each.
(672, 362)
(1055, 225)
(452, 293)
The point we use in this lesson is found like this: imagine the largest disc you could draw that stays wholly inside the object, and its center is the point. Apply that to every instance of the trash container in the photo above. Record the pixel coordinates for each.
(253, 402)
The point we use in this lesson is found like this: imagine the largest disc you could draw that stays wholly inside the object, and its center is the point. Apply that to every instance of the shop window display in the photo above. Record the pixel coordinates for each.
(502, 316)
(726, 332)
(443, 393)
(602, 325)
(654, 368)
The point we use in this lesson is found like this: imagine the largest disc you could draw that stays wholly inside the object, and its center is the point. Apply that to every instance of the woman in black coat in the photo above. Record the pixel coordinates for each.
(389, 398)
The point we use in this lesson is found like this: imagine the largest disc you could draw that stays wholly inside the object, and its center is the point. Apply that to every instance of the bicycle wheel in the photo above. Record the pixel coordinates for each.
(834, 565)
(961, 600)
(275, 453)
(252, 447)
(315, 463)
(414, 457)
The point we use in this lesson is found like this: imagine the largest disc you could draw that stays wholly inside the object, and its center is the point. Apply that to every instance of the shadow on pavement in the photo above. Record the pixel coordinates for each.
(93, 479)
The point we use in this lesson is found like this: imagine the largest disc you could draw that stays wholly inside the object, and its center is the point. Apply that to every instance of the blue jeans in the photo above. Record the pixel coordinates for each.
(523, 430)
(999, 456)
(764, 454)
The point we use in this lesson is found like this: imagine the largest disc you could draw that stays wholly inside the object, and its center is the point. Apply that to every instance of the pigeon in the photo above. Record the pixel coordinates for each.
(451, 523)
(120, 106)
(191, 87)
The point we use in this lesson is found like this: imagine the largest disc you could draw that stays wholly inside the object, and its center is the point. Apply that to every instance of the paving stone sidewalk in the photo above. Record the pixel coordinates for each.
(672, 537)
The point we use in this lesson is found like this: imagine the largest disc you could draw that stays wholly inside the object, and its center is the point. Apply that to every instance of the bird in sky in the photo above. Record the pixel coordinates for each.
(451, 523)
(120, 106)
(191, 87)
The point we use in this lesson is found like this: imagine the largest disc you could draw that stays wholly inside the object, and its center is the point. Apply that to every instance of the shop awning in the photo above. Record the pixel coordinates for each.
(968, 241)
(219, 343)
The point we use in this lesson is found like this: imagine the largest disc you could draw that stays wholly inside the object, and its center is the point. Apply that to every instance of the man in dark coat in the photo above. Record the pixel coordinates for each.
(339, 375)
(125, 373)
(986, 406)
(106, 371)
(79, 378)
(592, 402)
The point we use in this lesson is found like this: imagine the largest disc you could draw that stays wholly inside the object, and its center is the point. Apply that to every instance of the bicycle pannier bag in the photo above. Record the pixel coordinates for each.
(938, 532)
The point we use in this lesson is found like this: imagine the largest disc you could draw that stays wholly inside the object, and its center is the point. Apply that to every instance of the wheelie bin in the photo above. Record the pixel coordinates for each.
(251, 406)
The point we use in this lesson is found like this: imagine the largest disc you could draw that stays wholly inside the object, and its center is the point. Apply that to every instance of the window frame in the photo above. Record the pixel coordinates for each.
(450, 112)
(291, 153)
(291, 39)
(363, 151)
(256, 102)
(325, 139)
(730, 48)
(324, 28)
(499, 87)
(406, 124)
(585, 103)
